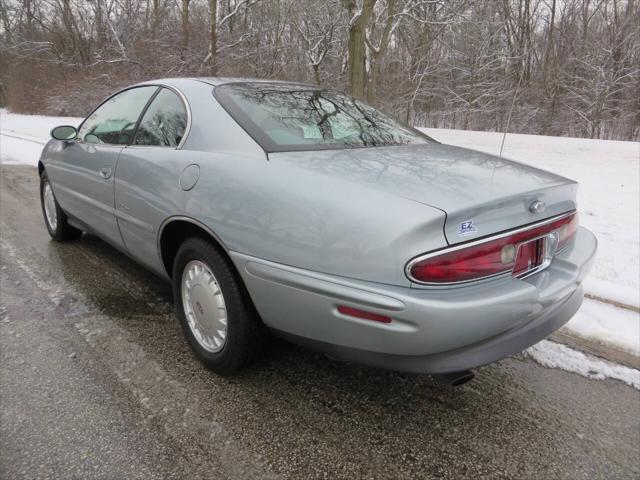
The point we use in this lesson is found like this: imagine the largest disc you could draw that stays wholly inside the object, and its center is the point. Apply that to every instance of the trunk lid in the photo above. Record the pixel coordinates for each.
(481, 194)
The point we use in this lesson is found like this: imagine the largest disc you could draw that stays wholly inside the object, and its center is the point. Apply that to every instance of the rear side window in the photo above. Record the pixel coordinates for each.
(165, 121)
(114, 121)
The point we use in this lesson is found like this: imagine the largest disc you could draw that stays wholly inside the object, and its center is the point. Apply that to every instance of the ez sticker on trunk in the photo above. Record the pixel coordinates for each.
(466, 228)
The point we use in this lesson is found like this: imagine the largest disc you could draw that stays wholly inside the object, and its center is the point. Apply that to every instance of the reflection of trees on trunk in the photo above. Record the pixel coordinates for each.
(422, 168)
(340, 120)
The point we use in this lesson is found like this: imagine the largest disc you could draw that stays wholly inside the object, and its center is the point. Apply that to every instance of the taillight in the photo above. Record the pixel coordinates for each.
(568, 230)
(519, 252)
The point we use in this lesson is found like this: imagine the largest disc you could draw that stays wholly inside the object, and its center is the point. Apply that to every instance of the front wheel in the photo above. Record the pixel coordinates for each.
(54, 217)
(215, 311)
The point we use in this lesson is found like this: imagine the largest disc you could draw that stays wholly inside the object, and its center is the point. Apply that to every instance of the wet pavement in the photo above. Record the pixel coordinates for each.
(97, 382)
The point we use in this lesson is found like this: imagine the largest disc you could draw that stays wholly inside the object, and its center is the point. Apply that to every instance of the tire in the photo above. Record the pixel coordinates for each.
(197, 299)
(55, 219)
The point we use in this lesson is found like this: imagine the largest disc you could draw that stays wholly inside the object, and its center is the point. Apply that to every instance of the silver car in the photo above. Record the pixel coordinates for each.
(287, 207)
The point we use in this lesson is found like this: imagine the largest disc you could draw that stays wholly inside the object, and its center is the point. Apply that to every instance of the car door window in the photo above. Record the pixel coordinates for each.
(165, 121)
(114, 122)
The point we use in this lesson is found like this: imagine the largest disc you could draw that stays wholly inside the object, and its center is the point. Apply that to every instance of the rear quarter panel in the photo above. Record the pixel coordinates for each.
(277, 212)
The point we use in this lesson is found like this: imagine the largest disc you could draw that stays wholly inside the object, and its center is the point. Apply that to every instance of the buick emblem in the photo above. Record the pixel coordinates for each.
(537, 206)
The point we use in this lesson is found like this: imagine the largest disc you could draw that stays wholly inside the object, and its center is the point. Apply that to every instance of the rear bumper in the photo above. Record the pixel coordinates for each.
(434, 330)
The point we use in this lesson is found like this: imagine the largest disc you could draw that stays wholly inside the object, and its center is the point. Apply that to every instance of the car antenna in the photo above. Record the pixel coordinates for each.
(513, 103)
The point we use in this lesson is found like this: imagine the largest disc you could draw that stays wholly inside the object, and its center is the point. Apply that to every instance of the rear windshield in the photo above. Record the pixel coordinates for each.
(284, 117)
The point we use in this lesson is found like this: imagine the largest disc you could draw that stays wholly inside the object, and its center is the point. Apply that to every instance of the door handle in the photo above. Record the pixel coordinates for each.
(105, 172)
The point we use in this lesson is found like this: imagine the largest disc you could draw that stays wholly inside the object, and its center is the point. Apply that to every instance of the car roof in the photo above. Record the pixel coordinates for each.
(216, 81)
(223, 80)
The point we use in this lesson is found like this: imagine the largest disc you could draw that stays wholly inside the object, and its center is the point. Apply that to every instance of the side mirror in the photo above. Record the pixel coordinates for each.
(64, 132)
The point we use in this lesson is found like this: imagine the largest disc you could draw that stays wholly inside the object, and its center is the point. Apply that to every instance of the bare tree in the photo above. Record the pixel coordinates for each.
(317, 30)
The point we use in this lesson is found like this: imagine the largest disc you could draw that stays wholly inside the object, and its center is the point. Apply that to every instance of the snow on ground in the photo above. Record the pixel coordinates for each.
(22, 136)
(609, 205)
(556, 355)
(13, 150)
(34, 126)
(608, 324)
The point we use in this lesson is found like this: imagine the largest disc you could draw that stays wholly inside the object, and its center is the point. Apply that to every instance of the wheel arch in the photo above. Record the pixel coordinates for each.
(40, 167)
(175, 230)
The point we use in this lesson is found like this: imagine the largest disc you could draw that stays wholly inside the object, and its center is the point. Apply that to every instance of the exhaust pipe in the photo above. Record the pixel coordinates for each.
(455, 379)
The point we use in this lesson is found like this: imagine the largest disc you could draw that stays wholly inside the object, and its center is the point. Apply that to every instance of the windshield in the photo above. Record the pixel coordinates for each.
(285, 117)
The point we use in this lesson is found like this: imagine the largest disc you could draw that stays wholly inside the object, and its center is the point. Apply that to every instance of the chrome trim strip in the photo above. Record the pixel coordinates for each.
(461, 246)
(187, 106)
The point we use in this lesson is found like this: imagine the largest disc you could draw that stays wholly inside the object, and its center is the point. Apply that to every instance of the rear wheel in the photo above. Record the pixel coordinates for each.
(54, 217)
(214, 309)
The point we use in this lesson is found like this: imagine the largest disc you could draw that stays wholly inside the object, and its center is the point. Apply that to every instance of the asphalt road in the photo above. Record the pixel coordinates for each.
(97, 382)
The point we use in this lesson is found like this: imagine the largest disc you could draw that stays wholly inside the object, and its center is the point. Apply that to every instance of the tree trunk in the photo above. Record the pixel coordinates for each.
(316, 73)
(101, 28)
(155, 21)
(550, 73)
(378, 55)
(185, 29)
(213, 37)
(357, 46)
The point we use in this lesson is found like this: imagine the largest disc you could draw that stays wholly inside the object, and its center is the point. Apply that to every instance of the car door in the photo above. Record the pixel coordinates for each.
(83, 173)
(152, 176)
